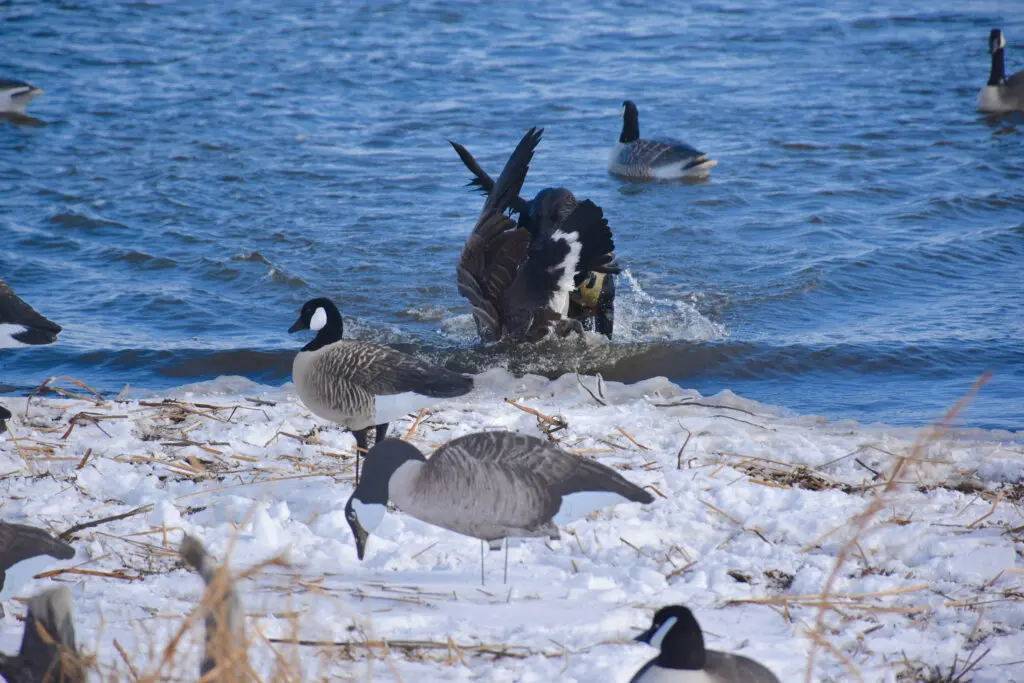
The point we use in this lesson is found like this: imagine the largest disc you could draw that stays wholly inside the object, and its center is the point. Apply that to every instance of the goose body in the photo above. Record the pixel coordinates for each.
(682, 657)
(524, 280)
(663, 159)
(20, 324)
(488, 485)
(16, 95)
(1001, 94)
(24, 552)
(50, 659)
(360, 385)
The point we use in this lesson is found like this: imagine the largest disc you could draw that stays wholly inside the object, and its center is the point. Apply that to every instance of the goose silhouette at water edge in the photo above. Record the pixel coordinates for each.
(676, 634)
(487, 485)
(360, 385)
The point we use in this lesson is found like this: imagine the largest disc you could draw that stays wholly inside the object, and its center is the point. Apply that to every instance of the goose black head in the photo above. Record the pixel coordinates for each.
(676, 633)
(321, 316)
(996, 41)
(366, 507)
(548, 210)
(630, 123)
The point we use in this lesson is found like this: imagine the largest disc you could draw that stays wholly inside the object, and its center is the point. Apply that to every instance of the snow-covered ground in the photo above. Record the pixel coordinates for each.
(752, 508)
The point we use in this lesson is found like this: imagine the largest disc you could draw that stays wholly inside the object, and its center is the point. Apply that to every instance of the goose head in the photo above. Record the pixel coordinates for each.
(321, 316)
(996, 41)
(366, 507)
(630, 123)
(676, 633)
(547, 211)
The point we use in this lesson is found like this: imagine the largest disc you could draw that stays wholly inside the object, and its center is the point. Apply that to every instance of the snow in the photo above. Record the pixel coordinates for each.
(738, 533)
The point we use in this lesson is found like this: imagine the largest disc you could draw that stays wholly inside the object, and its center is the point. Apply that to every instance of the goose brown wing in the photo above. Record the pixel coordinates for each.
(20, 542)
(722, 666)
(383, 372)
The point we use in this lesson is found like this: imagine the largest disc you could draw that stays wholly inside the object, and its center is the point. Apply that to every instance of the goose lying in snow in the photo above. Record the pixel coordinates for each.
(15, 96)
(488, 485)
(49, 659)
(683, 659)
(654, 159)
(549, 273)
(225, 617)
(1001, 94)
(21, 325)
(23, 553)
(361, 385)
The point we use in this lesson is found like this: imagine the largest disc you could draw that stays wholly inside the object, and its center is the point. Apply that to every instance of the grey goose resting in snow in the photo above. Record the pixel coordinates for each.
(225, 617)
(50, 659)
(663, 159)
(361, 385)
(548, 272)
(15, 96)
(1001, 94)
(487, 485)
(21, 325)
(682, 659)
(23, 553)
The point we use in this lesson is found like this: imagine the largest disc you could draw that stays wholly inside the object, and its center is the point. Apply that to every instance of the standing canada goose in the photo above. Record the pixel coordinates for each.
(546, 274)
(488, 485)
(683, 659)
(361, 385)
(1001, 94)
(22, 549)
(49, 658)
(21, 325)
(664, 159)
(15, 96)
(225, 618)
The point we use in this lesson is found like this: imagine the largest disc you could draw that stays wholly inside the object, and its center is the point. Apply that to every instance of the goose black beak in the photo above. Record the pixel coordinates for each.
(646, 636)
(299, 325)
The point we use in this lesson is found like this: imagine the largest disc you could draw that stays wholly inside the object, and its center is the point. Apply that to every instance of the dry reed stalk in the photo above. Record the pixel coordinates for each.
(860, 523)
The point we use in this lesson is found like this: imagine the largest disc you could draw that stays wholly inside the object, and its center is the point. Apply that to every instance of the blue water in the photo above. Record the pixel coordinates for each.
(197, 170)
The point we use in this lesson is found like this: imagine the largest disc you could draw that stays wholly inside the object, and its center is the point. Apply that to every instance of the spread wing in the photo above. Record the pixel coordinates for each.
(19, 542)
(494, 249)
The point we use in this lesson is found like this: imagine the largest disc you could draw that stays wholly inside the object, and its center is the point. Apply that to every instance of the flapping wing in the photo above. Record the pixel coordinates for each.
(20, 542)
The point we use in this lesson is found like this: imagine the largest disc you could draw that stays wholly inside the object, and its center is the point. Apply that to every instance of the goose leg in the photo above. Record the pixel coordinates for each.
(505, 580)
(481, 562)
(382, 433)
(362, 446)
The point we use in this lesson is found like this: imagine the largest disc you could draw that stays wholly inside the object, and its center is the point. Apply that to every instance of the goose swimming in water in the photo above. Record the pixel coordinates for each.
(23, 553)
(487, 485)
(682, 658)
(654, 159)
(51, 658)
(21, 325)
(361, 385)
(1001, 94)
(15, 96)
(551, 272)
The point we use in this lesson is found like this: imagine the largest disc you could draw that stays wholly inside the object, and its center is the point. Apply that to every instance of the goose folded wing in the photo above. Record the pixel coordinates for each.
(736, 669)
(384, 372)
(665, 152)
(19, 542)
(14, 311)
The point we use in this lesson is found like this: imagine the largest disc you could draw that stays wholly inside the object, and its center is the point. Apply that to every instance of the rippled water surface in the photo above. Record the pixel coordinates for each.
(197, 170)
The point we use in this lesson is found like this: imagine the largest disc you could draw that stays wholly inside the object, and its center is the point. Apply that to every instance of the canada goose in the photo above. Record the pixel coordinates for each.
(20, 324)
(487, 485)
(15, 96)
(5, 415)
(225, 617)
(22, 552)
(52, 658)
(683, 659)
(547, 274)
(361, 385)
(1001, 94)
(654, 159)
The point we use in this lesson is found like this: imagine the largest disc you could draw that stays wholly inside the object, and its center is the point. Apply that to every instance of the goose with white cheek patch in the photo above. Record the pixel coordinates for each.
(20, 326)
(547, 274)
(360, 385)
(488, 485)
(24, 552)
(683, 659)
(663, 159)
(1001, 94)
(15, 96)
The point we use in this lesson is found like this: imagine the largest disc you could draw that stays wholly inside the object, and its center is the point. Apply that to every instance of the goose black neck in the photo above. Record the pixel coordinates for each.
(683, 648)
(381, 462)
(630, 126)
(998, 75)
(328, 334)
